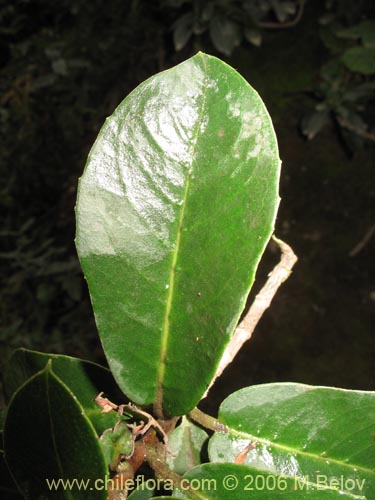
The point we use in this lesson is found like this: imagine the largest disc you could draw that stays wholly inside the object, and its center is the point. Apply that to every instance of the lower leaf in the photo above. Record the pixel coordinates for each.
(84, 378)
(320, 436)
(238, 482)
(51, 447)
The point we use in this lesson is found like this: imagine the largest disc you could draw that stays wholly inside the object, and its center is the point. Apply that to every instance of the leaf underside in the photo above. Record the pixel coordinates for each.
(175, 207)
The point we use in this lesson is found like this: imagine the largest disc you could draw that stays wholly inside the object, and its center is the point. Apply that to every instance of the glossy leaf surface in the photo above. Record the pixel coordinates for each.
(174, 210)
(186, 442)
(222, 481)
(83, 378)
(48, 436)
(302, 431)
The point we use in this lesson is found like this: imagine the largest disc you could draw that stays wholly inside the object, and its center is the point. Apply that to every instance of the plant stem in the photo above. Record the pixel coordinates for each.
(207, 421)
(155, 458)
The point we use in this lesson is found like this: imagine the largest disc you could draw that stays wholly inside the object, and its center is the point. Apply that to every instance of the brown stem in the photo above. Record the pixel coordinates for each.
(361, 245)
(158, 404)
(155, 457)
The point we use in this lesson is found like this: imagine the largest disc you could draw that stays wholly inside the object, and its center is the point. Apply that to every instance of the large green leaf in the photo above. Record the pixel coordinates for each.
(175, 207)
(47, 436)
(222, 481)
(83, 378)
(317, 434)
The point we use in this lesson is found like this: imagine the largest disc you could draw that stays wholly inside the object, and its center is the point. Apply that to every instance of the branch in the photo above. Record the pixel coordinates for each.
(361, 245)
(156, 460)
(207, 421)
(369, 136)
(261, 302)
(137, 429)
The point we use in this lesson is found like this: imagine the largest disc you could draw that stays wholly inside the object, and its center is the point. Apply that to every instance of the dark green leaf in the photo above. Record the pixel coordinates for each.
(84, 379)
(315, 433)
(8, 488)
(360, 60)
(48, 436)
(365, 31)
(175, 207)
(332, 42)
(225, 34)
(363, 92)
(332, 72)
(186, 442)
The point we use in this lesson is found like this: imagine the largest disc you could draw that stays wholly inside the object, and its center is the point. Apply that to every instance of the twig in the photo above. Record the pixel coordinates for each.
(156, 460)
(261, 302)
(361, 245)
(141, 429)
(207, 421)
(369, 136)
(137, 429)
(241, 457)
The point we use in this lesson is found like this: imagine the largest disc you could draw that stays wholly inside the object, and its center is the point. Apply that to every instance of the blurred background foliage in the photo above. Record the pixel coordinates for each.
(64, 66)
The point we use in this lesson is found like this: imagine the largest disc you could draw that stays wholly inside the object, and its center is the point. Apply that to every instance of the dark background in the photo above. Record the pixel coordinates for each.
(66, 65)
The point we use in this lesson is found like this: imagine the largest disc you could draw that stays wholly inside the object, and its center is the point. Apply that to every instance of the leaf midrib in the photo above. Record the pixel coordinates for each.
(158, 401)
(233, 432)
(53, 432)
